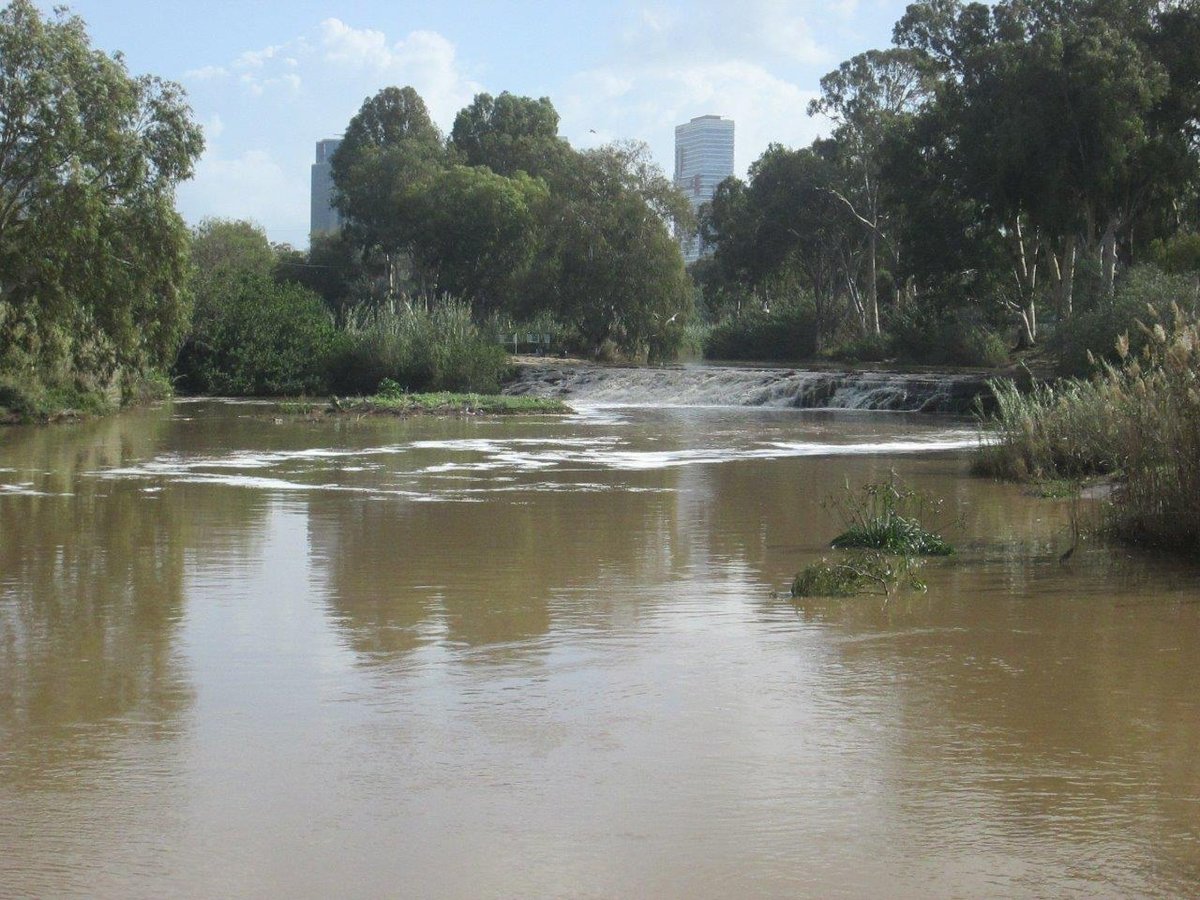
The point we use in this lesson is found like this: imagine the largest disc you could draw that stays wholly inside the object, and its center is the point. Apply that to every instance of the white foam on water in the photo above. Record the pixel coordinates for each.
(27, 489)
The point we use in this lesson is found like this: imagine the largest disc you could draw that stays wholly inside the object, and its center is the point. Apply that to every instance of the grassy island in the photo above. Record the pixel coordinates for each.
(439, 403)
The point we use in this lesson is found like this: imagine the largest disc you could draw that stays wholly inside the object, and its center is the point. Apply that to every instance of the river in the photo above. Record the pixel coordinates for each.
(251, 656)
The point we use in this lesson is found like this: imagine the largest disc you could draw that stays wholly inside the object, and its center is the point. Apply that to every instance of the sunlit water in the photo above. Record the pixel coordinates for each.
(245, 656)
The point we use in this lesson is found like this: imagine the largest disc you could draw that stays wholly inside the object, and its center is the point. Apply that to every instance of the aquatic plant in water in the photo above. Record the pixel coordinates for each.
(886, 516)
(884, 538)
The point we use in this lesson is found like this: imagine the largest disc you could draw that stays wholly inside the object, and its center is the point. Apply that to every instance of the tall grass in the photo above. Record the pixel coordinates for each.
(1138, 420)
(433, 346)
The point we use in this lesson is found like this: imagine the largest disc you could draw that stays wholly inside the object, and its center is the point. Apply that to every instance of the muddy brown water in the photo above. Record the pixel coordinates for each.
(249, 657)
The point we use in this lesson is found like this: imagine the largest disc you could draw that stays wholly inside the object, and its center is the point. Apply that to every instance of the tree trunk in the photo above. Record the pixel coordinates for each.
(1026, 275)
(873, 283)
(1066, 283)
(1108, 255)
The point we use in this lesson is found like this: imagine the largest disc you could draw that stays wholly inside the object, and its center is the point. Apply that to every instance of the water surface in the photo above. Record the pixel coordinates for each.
(250, 656)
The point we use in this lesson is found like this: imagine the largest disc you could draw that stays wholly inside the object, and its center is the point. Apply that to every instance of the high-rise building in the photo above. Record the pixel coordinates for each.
(703, 159)
(323, 217)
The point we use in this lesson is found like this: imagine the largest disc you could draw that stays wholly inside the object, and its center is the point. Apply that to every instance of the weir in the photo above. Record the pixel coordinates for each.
(705, 385)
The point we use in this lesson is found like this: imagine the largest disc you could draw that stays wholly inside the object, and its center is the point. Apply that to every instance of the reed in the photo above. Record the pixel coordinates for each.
(1137, 421)
(433, 346)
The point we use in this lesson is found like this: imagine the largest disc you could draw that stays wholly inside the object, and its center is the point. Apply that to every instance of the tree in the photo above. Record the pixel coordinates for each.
(480, 234)
(607, 265)
(390, 153)
(509, 134)
(1050, 111)
(868, 98)
(93, 256)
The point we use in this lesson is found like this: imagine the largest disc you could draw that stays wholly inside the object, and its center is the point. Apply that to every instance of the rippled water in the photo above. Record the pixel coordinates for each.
(242, 656)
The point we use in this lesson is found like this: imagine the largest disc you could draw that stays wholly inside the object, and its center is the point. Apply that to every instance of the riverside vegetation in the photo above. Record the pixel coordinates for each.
(883, 540)
(1137, 422)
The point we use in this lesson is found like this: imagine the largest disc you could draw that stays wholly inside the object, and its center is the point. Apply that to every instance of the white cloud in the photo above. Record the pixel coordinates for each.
(252, 185)
(424, 59)
(765, 31)
(206, 73)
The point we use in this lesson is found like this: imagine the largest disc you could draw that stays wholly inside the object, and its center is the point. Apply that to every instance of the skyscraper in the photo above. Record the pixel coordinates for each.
(323, 218)
(703, 159)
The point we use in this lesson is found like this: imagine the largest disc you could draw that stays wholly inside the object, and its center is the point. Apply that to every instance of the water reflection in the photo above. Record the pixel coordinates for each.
(342, 657)
(90, 600)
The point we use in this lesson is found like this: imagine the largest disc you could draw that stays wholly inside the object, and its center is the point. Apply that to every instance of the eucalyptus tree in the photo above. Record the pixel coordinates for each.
(479, 234)
(93, 255)
(1050, 110)
(607, 264)
(868, 98)
(509, 134)
(391, 153)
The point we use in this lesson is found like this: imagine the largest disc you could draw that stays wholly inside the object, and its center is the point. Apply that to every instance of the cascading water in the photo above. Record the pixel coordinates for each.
(702, 385)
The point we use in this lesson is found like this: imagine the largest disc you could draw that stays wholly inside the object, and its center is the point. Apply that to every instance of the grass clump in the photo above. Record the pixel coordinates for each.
(1138, 421)
(882, 542)
(393, 399)
(886, 516)
(866, 572)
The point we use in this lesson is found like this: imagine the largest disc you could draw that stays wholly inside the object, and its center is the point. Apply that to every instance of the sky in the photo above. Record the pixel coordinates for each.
(266, 80)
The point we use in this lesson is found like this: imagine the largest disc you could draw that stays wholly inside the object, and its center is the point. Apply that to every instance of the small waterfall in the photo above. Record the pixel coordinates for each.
(702, 385)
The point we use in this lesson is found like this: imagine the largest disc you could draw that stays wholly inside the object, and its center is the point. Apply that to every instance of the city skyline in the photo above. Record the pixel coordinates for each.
(265, 91)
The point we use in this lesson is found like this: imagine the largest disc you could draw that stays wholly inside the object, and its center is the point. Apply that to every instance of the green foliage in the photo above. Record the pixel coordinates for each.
(1139, 420)
(786, 333)
(396, 401)
(1179, 254)
(92, 253)
(479, 233)
(864, 572)
(381, 171)
(528, 228)
(607, 266)
(938, 336)
(860, 348)
(886, 516)
(883, 540)
(510, 134)
(260, 338)
(420, 348)
(1144, 293)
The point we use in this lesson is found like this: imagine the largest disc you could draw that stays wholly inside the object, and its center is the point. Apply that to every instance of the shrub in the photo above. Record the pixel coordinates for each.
(861, 348)
(1139, 419)
(885, 515)
(259, 338)
(785, 333)
(884, 539)
(958, 337)
(858, 573)
(1091, 335)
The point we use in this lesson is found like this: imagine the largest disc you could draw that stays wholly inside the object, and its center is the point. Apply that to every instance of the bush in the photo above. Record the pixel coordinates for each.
(858, 573)
(434, 348)
(259, 338)
(1090, 337)
(783, 334)
(957, 337)
(861, 348)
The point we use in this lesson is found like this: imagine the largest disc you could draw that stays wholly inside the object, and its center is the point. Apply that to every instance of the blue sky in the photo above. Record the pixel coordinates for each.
(269, 79)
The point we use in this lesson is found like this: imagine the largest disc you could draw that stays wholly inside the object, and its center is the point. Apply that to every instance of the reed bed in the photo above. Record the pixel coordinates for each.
(434, 346)
(1137, 421)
